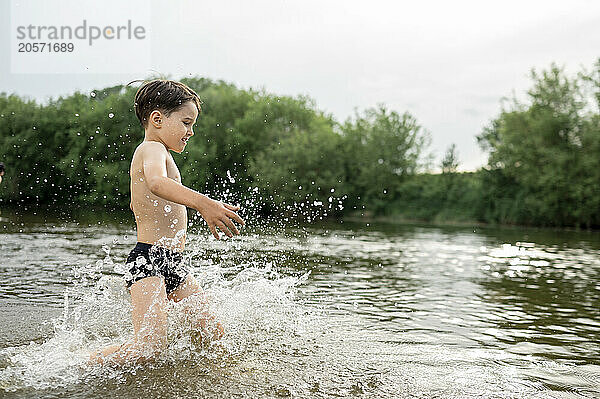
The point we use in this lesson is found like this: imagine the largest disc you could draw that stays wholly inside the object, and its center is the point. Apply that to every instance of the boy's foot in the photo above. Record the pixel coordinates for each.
(101, 356)
(212, 331)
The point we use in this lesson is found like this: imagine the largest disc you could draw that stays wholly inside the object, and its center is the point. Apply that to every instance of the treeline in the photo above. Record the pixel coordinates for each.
(543, 167)
(282, 154)
(279, 151)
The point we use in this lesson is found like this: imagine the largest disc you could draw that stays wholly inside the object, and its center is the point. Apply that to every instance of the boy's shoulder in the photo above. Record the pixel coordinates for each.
(150, 148)
(149, 151)
(152, 145)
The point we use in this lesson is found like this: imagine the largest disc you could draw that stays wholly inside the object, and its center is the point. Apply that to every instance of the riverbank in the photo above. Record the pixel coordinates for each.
(93, 215)
(442, 222)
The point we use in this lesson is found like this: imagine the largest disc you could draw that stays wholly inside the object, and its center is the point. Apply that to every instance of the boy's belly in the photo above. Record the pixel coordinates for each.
(163, 224)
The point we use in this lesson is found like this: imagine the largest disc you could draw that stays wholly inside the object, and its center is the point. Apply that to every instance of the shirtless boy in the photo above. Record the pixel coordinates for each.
(167, 110)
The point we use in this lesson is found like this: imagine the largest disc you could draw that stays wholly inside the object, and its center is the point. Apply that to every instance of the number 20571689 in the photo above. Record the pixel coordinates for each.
(44, 47)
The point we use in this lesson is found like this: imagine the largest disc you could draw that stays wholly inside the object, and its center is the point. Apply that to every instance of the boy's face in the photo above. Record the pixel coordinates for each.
(177, 128)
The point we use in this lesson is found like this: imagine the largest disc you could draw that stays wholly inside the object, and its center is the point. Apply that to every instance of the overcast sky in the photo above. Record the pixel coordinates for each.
(447, 63)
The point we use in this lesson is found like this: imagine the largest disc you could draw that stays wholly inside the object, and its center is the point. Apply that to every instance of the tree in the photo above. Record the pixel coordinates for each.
(381, 148)
(450, 161)
(546, 147)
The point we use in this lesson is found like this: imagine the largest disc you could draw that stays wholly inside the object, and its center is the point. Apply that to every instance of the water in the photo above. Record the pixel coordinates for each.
(328, 310)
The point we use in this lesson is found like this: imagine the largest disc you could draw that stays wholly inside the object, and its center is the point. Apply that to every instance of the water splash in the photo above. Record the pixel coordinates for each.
(256, 305)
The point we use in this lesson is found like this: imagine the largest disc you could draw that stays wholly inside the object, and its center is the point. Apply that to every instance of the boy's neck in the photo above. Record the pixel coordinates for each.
(150, 135)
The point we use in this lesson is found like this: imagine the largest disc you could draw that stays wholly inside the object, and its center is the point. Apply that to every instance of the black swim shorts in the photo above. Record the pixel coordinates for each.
(147, 260)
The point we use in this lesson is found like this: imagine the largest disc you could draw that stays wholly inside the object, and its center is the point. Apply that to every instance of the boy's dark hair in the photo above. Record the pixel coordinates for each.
(1, 167)
(164, 95)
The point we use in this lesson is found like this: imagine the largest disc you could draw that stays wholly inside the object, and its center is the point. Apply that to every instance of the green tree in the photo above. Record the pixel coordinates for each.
(537, 147)
(304, 170)
(381, 148)
(450, 161)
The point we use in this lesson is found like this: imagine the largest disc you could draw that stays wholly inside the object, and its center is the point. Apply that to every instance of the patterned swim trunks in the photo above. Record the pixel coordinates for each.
(147, 260)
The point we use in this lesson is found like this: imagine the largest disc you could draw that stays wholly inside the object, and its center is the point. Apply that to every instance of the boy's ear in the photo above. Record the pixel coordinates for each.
(156, 119)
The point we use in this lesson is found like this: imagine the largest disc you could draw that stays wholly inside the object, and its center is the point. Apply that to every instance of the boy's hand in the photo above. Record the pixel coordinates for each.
(219, 214)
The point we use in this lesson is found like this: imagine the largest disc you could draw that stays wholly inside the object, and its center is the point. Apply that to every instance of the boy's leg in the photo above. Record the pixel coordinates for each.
(149, 313)
(190, 286)
(148, 301)
(196, 306)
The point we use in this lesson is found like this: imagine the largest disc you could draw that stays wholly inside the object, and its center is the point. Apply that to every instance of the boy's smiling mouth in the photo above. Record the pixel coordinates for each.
(185, 140)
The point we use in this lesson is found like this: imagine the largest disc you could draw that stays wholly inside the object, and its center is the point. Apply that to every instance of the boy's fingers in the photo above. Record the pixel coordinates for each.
(232, 207)
(236, 217)
(213, 229)
(231, 226)
(224, 228)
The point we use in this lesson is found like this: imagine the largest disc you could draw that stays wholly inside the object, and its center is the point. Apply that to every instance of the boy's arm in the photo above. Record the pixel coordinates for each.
(216, 213)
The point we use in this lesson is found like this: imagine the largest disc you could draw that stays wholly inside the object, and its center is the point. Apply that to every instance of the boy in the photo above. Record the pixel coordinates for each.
(1, 171)
(167, 111)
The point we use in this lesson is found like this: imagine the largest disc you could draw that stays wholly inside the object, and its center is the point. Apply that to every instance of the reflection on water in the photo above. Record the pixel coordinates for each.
(332, 310)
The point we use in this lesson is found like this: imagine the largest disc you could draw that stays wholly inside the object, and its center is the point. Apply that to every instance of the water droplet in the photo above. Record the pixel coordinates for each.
(167, 208)
(155, 202)
(111, 115)
(380, 161)
(93, 94)
(231, 179)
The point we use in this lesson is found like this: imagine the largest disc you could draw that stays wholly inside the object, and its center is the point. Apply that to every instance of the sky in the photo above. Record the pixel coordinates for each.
(447, 63)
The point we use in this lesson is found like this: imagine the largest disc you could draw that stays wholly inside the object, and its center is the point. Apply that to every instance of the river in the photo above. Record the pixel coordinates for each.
(328, 309)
